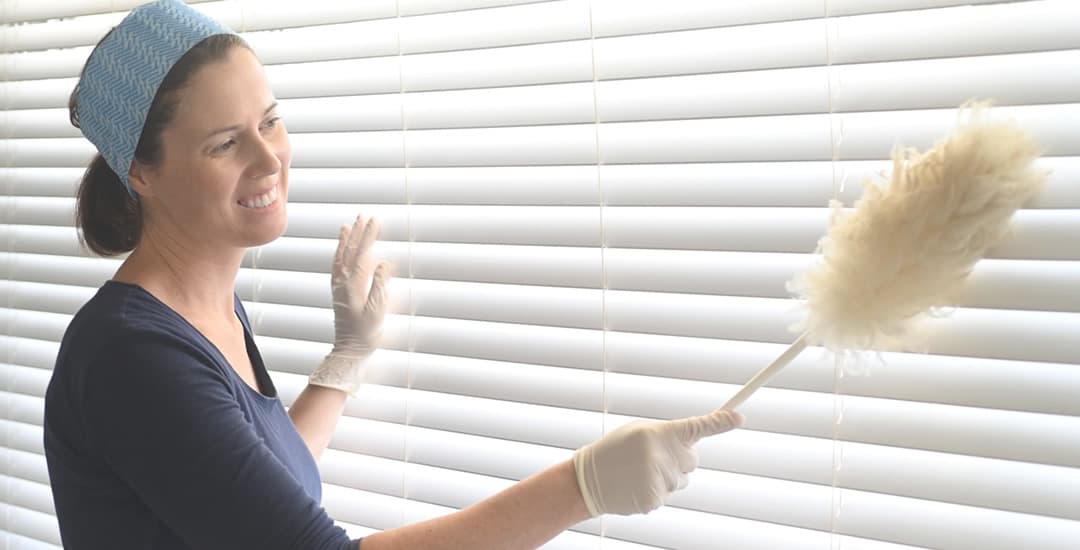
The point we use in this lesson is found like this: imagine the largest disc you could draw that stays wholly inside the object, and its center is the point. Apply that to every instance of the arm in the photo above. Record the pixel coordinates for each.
(315, 414)
(524, 516)
(632, 470)
(359, 292)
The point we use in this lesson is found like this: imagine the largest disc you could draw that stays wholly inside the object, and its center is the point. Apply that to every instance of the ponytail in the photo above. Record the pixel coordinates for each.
(110, 219)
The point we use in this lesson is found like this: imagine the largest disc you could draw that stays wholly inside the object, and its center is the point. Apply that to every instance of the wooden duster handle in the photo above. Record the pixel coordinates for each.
(766, 373)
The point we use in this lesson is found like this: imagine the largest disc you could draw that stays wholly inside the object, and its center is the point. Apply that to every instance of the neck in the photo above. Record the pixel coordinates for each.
(196, 280)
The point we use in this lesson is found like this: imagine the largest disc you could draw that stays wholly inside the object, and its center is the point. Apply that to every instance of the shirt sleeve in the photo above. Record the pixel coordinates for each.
(162, 415)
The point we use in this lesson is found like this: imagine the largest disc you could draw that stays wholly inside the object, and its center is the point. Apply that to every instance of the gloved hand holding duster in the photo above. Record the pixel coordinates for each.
(635, 468)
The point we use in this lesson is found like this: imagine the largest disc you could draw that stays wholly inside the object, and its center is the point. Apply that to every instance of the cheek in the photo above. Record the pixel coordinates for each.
(207, 183)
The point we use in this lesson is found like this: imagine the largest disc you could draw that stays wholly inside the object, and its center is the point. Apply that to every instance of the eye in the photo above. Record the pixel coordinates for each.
(224, 147)
(273, 123)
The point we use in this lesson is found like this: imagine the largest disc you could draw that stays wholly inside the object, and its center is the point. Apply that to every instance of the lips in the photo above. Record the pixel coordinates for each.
(260, 201)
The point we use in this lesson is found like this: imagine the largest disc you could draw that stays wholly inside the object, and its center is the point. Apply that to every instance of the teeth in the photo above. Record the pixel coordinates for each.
(262, 201)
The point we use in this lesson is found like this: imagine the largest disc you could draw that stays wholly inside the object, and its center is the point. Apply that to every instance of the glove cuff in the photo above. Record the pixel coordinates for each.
(340, 371)
(581, 462)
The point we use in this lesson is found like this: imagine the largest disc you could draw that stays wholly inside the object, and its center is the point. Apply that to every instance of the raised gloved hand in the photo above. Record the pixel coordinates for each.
(358, 284)
(635, 468)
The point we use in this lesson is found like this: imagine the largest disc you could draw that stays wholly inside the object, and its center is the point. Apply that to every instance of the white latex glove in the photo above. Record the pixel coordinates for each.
(358, 284)
(635, 468)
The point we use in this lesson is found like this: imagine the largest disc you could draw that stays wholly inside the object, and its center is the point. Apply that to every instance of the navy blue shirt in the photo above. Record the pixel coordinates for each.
(153, 441)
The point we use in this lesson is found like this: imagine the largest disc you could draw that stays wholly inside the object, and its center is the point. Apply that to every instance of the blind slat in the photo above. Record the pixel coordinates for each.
(622, 17)
(540, 22)
(62, 270)
(25, 380)
(539, 265)
(23, 436)
(1006, 27)
(920, 426)
(789, 184)
(27, 409)
(29, 352)
(860, 136)
(895, 519)
(27, 494)
(421, 7)
(1005, 384)
(39, 529)
(25, 465)
(19, 12)
(926, 426)
(1030, 78)
(1025, 386)
(385, 512)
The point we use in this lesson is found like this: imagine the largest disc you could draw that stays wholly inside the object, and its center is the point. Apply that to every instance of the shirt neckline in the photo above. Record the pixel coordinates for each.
(249, 344)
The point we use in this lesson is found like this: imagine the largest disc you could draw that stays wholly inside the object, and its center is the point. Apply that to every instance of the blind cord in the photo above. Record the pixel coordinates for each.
(836, 137)
(409, 256)
(603, 247)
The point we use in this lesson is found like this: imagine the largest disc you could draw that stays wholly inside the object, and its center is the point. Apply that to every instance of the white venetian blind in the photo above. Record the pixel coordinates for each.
(593, 207)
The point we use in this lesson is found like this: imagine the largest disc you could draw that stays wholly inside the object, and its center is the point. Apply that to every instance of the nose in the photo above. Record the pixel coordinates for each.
(265, 156)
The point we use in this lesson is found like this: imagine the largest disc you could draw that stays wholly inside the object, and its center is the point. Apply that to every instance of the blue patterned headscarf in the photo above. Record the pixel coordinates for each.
(124, 72)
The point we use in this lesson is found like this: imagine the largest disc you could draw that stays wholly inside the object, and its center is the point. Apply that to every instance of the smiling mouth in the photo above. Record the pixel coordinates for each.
(261, 201)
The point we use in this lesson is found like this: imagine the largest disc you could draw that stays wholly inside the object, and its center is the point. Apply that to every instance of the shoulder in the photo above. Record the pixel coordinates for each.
(120, 307)
(121, 311)
(126, 361)
(124, 333)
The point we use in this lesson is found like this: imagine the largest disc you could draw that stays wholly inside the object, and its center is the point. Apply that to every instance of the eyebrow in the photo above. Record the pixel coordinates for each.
(237, 126)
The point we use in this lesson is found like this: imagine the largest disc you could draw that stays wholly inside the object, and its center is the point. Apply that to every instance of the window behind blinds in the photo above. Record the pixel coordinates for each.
(593, 207)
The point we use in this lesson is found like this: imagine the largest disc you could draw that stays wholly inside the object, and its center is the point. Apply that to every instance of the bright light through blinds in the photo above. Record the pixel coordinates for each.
(593, 207)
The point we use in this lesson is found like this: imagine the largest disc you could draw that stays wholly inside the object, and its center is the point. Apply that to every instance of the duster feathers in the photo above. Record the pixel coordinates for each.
(908, 247)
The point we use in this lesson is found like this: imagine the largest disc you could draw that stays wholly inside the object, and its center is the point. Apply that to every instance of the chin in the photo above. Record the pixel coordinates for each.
(266, 234)
(271, 236)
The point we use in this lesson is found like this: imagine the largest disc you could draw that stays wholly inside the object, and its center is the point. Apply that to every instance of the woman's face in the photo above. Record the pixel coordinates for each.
(223, 178)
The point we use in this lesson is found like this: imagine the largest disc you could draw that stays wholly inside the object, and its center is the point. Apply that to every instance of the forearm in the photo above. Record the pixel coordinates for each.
(522, 517)
(315, 414)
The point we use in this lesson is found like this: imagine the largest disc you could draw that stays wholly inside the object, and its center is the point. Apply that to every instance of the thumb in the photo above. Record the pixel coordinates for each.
(691, 430)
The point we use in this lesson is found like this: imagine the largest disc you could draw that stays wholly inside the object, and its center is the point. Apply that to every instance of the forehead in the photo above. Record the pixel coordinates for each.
(229, 91)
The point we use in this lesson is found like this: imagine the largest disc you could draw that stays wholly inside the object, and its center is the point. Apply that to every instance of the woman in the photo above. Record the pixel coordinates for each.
(163, 429)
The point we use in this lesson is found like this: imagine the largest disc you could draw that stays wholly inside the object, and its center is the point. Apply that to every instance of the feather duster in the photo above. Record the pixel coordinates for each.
(907, 248)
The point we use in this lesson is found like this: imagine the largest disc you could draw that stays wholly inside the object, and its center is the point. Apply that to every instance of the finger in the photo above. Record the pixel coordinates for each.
(663, 486)
(691, 430)
(687, 459)
(380, 287)
(343, 235)
(365, 265)
(353, 242)
(673, 481)
(683, 482)
(371, 234)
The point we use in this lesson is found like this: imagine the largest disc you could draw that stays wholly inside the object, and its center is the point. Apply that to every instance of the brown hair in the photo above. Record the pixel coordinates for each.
(110, 219)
